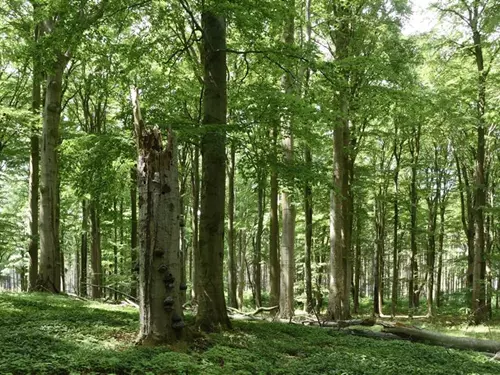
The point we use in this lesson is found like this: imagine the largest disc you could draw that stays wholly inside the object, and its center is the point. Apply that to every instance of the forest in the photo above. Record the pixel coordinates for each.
(249, 186)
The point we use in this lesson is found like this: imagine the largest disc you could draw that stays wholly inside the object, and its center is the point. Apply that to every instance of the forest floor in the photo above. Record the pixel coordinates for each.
(42, 334)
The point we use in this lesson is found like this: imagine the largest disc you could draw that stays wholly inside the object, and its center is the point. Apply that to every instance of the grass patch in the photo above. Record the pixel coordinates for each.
(42, 334)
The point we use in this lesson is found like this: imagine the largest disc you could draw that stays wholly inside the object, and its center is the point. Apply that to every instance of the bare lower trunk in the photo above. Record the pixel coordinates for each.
(241, 268)
(257, 270)
(309, 237)
(195, 188)
(84, 249)
(232, 282)
(49, 268)
(212, 313)
(133, 231)
(95, 253)
(34, 177)
(274, 264)
(287, 249)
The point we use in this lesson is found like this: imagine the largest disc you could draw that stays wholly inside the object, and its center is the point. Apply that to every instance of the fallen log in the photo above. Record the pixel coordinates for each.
(373, 334)
(265, 309)
(342, 323)
(438, 339)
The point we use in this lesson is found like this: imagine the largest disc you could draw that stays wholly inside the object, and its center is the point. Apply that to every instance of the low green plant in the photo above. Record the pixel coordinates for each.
(55, 335)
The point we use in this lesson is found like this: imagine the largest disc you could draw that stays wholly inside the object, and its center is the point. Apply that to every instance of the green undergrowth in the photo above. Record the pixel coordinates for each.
(42, 334)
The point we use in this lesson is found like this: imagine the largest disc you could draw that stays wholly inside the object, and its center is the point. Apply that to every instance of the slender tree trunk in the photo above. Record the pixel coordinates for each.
(133, 231)
(115, 250)
(34, 171)
(95, 253)
(49, 269)
(274, 263)
(357, 266)
(84, 250)
(241, 268)
(309, 235)
(212, 312)
(467, 217)
(183, 244)
(257, 270)
(413, 285)
(478, 288)
(195, 188)
(395, 253)
(287, 253)
(232, 281)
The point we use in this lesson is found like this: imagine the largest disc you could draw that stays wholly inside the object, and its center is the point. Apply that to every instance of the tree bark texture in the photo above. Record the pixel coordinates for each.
(287, 250)
(479, 308)
(274, 263)
(413, 285)
(212, 313)
(49, 276)
(161, 316)
(134, 243)
(195, 189)
(257, 269)
(232, 280)
(95, 249)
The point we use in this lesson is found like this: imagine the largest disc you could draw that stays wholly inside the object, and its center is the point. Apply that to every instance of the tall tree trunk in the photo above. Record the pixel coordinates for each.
(183, 242)
(274, 263)
(395, 252)
(437, 294)
(340, 200)
(241, 268)
(257, 270)
(287, 252)
(467, 216)
(49, 269)
(133, 231)
(115, 250)
(309, 235)
(34, 177)
(95, 253)
(212, 312)
(84, 249)
(161, 315)
(195, 189)
(232, 281)
(413, 285)
(479, 309)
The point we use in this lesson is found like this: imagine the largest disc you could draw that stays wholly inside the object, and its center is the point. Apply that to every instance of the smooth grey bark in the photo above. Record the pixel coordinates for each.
(195, 221)
(134, 243)
(34, 171)
(397, 150)
(231, 240)
(241, 267)
(287, 249)
(257, 259)
(413, 285)
(274, 263)
(95, 249)
(212, 313)
(49, 275)
(340, 197)
(479, 308)
(161, 315)
(308, 194)
(84, 249)
(433, 199)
